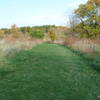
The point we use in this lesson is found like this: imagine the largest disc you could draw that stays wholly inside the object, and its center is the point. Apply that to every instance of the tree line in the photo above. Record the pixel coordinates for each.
(35, 31)
(49, 32)
(84, 22)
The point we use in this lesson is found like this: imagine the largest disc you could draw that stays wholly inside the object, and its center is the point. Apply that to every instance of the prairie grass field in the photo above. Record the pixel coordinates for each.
(50, 50)
(89, 49)
(48, 72)
(34, 70)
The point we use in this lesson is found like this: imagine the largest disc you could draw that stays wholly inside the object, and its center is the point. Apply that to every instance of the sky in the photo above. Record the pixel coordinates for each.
(36, 12)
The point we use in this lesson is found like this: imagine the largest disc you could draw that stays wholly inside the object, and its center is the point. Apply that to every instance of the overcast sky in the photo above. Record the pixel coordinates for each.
(36, 12)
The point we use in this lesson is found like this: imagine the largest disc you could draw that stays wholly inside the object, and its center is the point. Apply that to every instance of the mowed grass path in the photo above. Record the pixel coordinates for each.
(48, 72)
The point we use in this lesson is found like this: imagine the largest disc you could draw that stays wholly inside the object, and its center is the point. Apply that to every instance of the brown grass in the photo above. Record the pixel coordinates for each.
(9, 46)
(84, 45)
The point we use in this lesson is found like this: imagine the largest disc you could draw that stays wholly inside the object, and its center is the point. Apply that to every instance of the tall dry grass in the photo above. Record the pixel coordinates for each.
(89, 49)
(84, 45)
(9, 46)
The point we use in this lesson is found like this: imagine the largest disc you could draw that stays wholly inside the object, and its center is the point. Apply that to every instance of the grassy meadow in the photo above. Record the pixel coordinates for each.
(53, 66)
(48, 72)
(58, 61)
(89, 49)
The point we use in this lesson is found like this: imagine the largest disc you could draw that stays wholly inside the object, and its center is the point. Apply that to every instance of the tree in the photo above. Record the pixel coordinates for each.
(25, 29)
(89, 19)
(52, 34)
(2, 33)
(36, 33)
(15, 31)
(96, 2)
(73, 22)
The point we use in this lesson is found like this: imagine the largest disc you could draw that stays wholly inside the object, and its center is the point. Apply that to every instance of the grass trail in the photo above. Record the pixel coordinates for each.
(48, 72)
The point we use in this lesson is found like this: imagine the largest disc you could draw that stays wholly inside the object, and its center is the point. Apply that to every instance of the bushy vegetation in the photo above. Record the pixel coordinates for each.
(83, 36)
(46, 32)
(85, 21)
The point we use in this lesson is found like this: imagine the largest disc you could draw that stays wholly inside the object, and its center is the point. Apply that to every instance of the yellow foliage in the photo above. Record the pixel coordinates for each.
(52, 35)
(97, 2)
(1, 33)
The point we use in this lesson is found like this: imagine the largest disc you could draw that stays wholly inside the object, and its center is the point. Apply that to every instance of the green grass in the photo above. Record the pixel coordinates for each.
(48, 72)
(93, 59)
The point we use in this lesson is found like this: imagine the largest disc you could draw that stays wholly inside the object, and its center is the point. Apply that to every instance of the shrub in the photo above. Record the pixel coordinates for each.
(52, 35)
(37, 34)
(1, 34)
